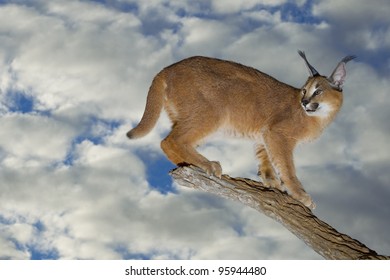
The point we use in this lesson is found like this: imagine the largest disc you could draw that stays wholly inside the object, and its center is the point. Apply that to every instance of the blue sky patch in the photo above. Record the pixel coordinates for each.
(123, 6)
(39, 254)
(126, 255)
(157, 168)
(293, 13)
(5, 221)
(19, 102)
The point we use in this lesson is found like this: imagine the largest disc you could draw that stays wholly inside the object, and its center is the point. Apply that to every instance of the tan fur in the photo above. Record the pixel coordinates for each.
(202, 95)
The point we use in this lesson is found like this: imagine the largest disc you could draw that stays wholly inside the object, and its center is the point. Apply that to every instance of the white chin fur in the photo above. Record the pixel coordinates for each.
(323, 110)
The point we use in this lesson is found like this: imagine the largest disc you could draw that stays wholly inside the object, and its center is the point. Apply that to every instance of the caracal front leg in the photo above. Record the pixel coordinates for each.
(280, 151)
(266, 171)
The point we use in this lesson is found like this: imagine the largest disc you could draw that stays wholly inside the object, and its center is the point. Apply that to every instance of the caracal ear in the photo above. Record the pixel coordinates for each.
(337, 78)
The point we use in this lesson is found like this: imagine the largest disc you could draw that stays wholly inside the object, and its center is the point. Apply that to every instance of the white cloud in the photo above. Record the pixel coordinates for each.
(92, 210)
(205, 36)
(374, 12)
(367, 23)
(72, 59)
(264, 16)
(8, 250)
(34, 137)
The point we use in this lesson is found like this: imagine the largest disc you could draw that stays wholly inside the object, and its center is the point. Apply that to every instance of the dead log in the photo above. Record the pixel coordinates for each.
(293, 215)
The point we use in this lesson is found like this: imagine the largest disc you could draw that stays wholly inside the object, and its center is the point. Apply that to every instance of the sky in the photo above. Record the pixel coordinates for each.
(74, 76)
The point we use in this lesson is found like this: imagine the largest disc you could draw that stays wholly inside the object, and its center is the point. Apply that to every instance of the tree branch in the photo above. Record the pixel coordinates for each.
(293, 215)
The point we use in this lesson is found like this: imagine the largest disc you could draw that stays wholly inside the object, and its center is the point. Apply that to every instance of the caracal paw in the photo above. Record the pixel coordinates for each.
(213, 168)
(270, 181)
(306, 200)
(273, 183)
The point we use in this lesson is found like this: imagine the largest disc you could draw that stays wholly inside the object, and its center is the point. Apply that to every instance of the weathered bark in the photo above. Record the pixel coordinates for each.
(293, 215)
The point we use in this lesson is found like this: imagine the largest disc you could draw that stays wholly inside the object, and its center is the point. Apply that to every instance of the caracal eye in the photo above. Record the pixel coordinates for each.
(303, 91)
(318, 91)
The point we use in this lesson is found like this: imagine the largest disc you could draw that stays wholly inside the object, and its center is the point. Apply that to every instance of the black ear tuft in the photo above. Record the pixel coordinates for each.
(312, 71)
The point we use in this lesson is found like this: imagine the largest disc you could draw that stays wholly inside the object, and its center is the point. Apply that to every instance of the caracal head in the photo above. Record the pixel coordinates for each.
(323, 95)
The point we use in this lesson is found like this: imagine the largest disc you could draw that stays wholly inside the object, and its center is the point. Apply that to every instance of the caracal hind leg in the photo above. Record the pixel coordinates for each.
(179, 146)
(266, 171)
(280, 150)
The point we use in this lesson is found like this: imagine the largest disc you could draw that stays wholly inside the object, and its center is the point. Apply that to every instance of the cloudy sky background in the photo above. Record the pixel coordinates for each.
(74, 77)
